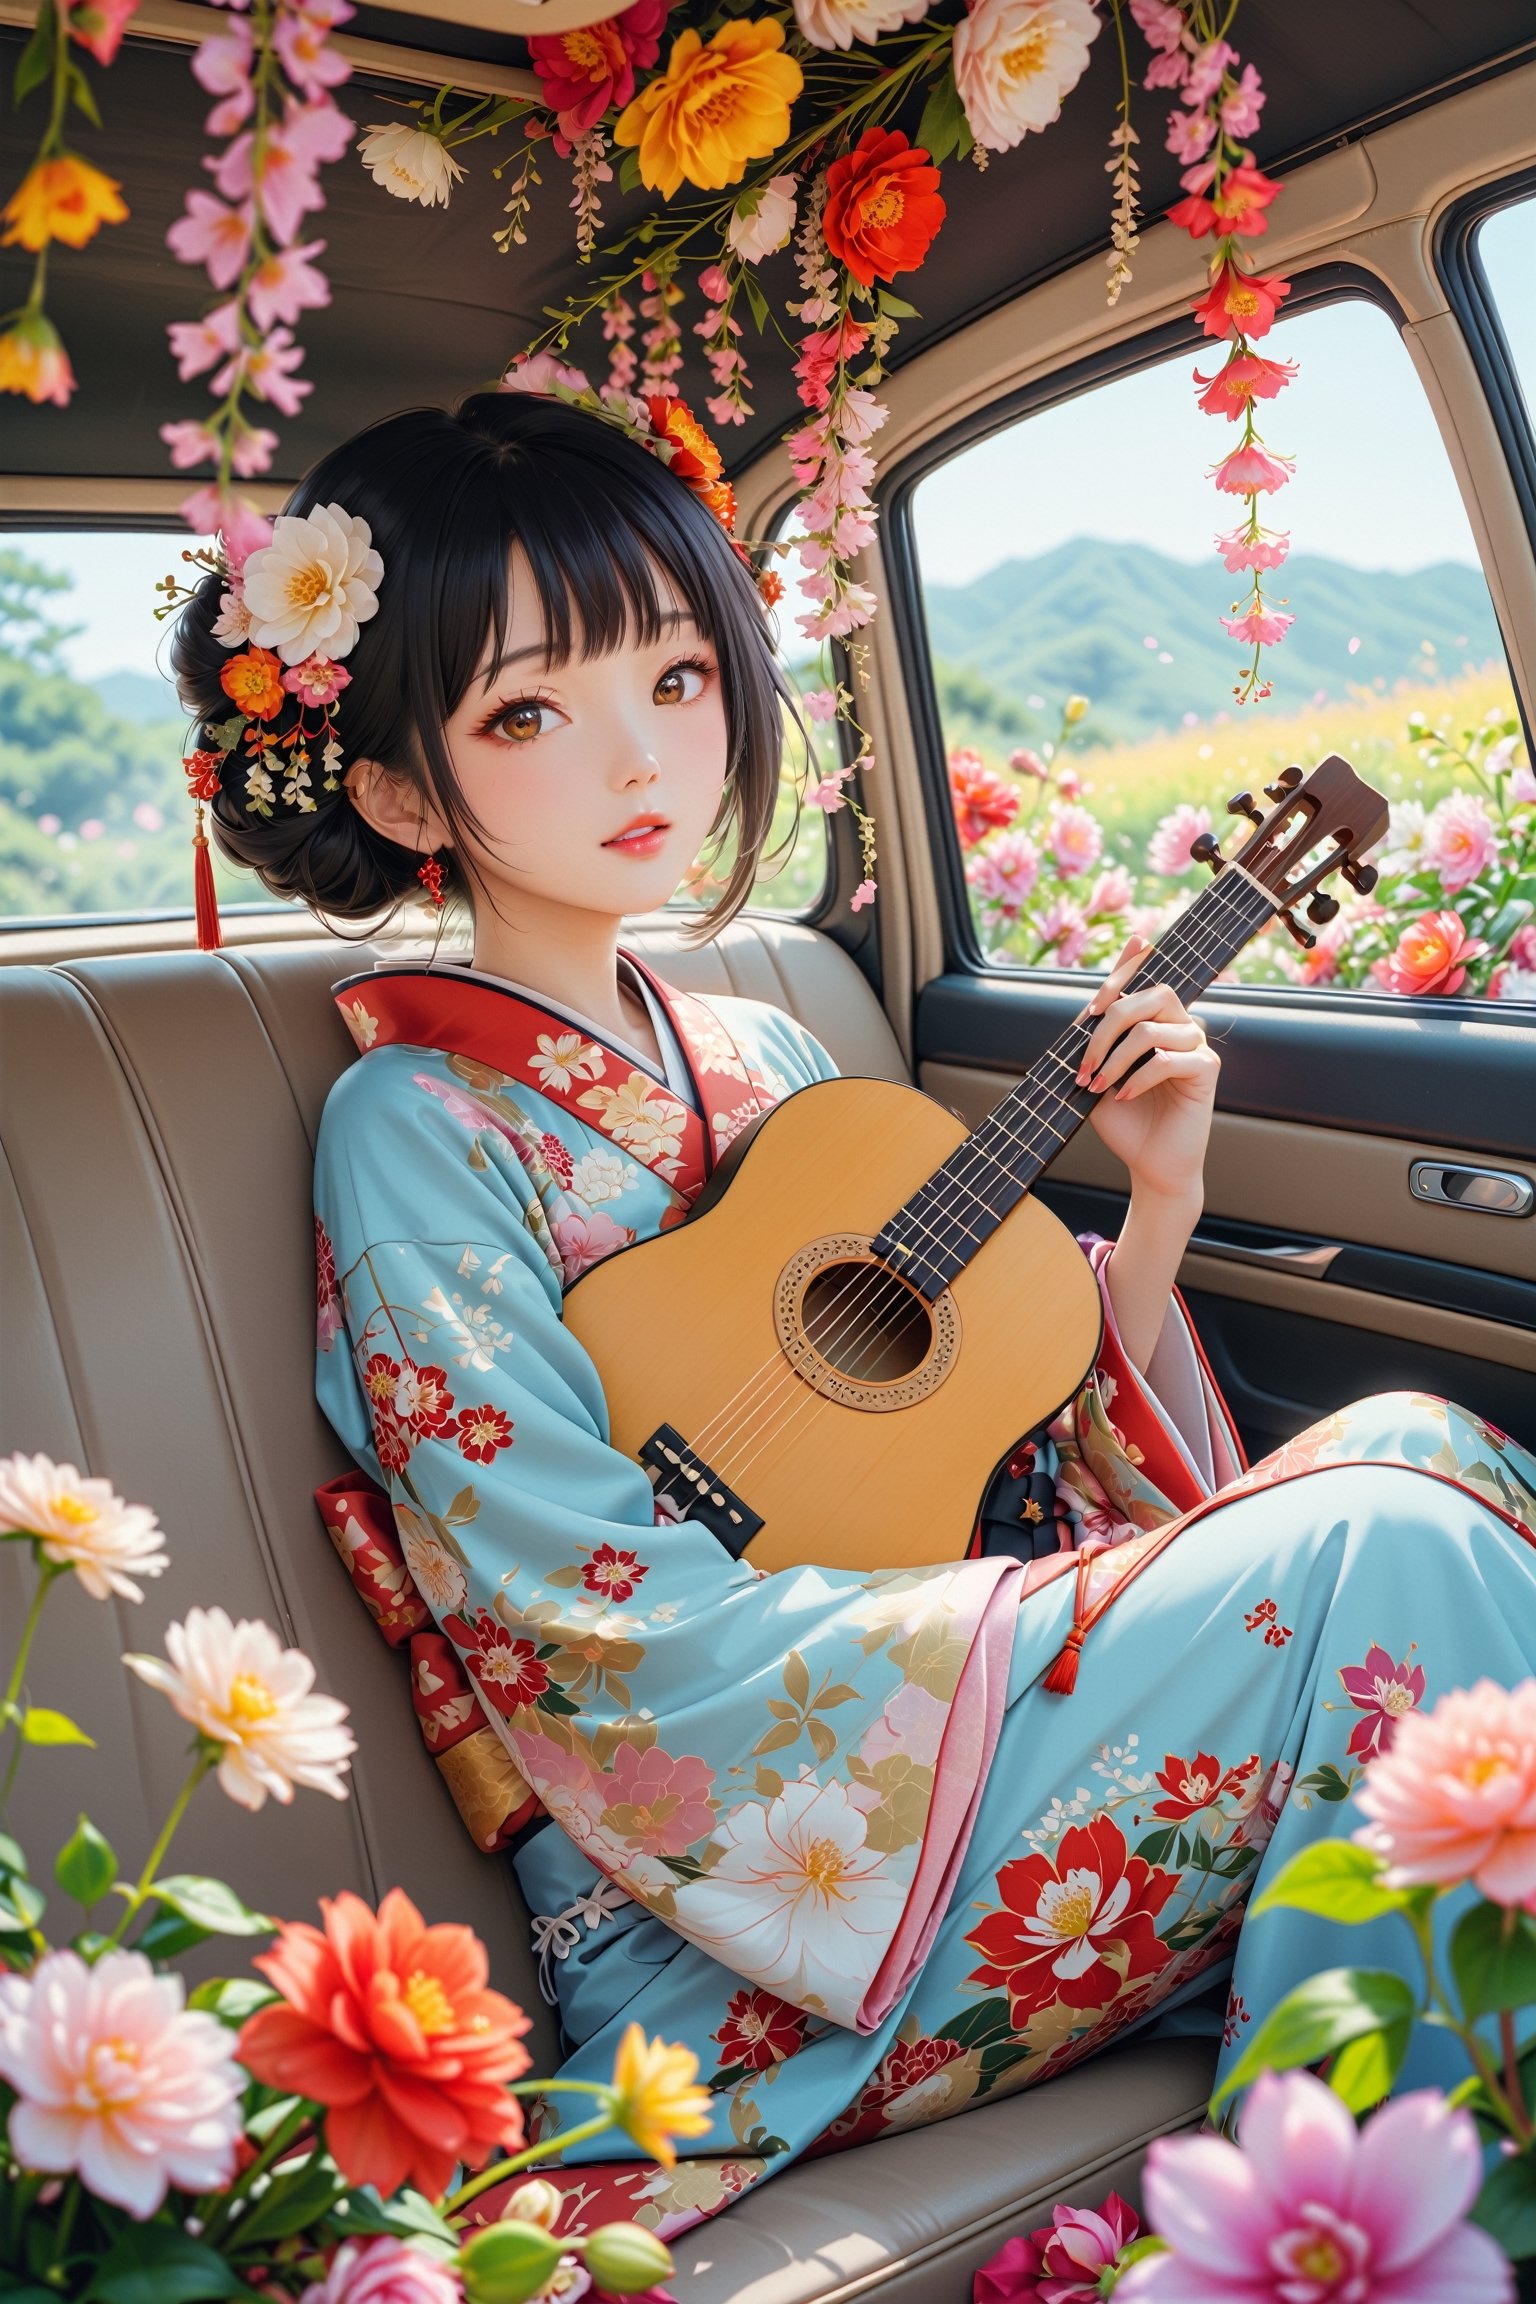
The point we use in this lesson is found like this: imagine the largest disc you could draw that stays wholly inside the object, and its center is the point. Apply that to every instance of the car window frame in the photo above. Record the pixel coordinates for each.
(1460, 270)
(1318, 285)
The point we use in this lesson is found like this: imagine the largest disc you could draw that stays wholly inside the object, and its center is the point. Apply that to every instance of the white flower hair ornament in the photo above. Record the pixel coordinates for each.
(292, 607)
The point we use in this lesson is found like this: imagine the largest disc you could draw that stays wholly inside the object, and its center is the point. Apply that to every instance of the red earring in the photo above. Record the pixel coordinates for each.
(431, 877)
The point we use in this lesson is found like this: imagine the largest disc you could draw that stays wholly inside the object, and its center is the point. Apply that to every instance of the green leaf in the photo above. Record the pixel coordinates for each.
(757, 302)
(13, 1857)
(1336, 1880)
(1326, 1782)
(165, 1936)
(37, 57)
(21, 1904)
(84, 95)
(210, 1905)
(1493, 1958)
(1506, 2207)
(895, 307)
(40, 1726)
(1157, 1844)
(157, 2264)
(231, 1998)
(291, 2203)
(1317, 2019)
(86, 1865)
(629, 173)
(938, 131)
(1363, 2070)
(407, 2213)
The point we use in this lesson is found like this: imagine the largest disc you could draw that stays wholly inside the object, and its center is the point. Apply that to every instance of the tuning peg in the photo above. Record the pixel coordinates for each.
(1207, 850)
(1284, 785)
(1361, 876)
(1322, 908)
(1303, 939)
(1241, 804)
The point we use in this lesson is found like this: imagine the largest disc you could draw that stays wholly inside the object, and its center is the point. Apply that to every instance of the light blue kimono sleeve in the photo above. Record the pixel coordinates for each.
(720, 1743)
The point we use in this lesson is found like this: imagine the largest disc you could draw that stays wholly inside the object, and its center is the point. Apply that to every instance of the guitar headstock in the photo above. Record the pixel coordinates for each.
(1319, 824)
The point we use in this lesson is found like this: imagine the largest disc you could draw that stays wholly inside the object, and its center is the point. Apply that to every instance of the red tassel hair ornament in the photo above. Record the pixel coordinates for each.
(430, 875)
(202, 772)
(1062, 1676)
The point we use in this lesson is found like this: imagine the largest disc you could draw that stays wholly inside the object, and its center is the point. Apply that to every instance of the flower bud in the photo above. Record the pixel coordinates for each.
(1075, 708)
(625, 2258)
(508, 2263)
(537, 2202)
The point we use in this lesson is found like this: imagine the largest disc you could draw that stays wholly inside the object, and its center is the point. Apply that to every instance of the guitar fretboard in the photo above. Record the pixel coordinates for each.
(934, 1235)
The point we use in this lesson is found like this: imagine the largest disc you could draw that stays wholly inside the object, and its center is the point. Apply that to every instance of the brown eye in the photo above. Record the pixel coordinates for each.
(523, 721)
(681, 683)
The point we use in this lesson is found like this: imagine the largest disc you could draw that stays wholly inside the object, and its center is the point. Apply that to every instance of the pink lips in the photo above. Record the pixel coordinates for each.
(642, 836)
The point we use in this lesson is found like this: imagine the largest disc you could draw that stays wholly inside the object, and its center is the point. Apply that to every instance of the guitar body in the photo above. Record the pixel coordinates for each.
(859, 1425)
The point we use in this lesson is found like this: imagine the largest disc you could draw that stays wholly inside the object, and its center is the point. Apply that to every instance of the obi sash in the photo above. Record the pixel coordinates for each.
(533, 1046)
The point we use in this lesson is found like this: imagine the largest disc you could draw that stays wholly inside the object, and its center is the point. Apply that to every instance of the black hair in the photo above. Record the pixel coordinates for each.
(447, 494)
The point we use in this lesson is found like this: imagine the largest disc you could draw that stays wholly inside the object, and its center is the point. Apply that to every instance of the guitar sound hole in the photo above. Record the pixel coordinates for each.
(866, 1323)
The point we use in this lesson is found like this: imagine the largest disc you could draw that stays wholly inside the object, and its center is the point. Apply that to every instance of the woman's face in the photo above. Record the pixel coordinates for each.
(558, 763)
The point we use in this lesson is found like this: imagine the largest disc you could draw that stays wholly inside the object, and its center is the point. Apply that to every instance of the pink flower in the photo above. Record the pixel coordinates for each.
(1004, 874)
(821, 703)
(288, 284)
(200, 344)
(1260, 627)
(828, 794)
(1240, 110)
(99, 26)
(819, 355)
(189, 444)
(656, 1803)
(1169, 70)
(1319, 963)
(1075, 838)
(1431, 956)
(268, 369)
(1066, 929)
(384, 2271)
(1028, 763)
(316, 681)
(211, 234)
(233, 518)
(310, 135)
(222, 65)
(1189, 134)
(1247, 377)
(1247, 470)
(116, 2081)
(1308, 2209)
(1384, 1692)
(1160, 24)
(1461, 841)
(1168, 850)
(862, 895)
(584, 71)
(1454, 1797)
(583, 1241)
(300, 41)
(537, 371)
(1112, 890)
(251, 451)
(1265, 550)
(1060, 2262)
(1207, 66)
(1522, 945)
(1522, 785)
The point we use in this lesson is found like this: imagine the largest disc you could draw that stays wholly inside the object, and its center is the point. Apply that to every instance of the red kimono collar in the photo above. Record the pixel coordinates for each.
(465, 1015)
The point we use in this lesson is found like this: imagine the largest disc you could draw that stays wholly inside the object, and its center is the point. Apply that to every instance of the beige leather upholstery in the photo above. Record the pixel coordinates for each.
(158, 1129)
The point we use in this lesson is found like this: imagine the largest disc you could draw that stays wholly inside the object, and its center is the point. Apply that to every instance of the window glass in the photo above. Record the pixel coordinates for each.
(1085, 684)
(1506, 244)
(93, 810)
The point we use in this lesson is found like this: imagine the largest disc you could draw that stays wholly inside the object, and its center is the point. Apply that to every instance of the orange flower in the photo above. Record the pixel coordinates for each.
(34, 363)
(1431, 955)
(253, 682)
(717, 105)
(694, 457)
(61, 199)
(883, 206)
(388, 2024)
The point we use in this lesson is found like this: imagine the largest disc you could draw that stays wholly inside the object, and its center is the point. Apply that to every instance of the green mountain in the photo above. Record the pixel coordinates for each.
(1137, 632)
(138, 696)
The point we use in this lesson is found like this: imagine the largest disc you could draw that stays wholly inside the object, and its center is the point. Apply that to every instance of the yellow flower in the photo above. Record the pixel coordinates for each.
(33, 362)
(61, 199)
(717, 105)
(654, 2097)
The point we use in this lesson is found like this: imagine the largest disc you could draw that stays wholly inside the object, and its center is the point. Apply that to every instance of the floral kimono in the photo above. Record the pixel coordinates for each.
(877, 1846)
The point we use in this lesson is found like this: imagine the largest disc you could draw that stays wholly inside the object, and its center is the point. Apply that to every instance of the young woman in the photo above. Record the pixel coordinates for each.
(843, 1834)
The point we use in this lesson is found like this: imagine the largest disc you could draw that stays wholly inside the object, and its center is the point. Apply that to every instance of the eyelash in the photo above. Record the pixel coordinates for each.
(539, 699)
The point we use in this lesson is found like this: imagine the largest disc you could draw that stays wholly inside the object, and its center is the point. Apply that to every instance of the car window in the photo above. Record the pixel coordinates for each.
(93, 810)
(1506, 248)
(1085, 685)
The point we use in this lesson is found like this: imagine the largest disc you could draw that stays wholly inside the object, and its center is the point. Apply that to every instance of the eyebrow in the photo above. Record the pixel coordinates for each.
(668, 617)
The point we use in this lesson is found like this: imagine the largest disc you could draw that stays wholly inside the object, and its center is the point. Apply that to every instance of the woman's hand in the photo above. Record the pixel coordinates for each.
(1159, 1120)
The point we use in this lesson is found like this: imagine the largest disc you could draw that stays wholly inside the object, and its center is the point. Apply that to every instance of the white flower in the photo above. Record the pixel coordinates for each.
(309, 589)
(1014, 62)
(600, 1176)
(435, 1572)
(838, 23)
(765, 228)
(242, 1689)
(1518, 984)
(117, 2081)
(81, 1525)
(410, 164)
(1405, 839)
(232, 625)
(361, 1023)
(798, 1901)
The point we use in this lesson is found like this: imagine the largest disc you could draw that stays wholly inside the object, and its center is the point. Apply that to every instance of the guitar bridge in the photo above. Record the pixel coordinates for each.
(695, 1490)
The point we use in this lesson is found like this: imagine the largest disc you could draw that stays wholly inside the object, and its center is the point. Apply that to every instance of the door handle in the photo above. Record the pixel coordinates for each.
(1314, 1261)
(1496, 1191)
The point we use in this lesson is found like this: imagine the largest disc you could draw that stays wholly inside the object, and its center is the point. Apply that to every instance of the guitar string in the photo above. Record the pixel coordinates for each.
(813, 1394)
(777, 1363)
(1216, 922)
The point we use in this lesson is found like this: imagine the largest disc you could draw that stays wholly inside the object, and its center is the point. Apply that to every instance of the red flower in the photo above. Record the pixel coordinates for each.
(506, 1668)
(613, 1574)
(694, 457)
(1060, 2262)
(820, 353)
(1241, 303)
(1238, 207)
(380, 1376)
(557, 1157)
(328, 1317)
(99, 26)
(1199, 1783)
(1383, 1691)
(981, 800)
(423, 1401)
(482, 1432)
(759, 2031)
(1246, 377)
(1077, 1930)
(391, 1441)
(584, 71)
(883, 206)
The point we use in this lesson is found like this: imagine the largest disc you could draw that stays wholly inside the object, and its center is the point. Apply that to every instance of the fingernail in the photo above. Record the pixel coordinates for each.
(1082, 1076)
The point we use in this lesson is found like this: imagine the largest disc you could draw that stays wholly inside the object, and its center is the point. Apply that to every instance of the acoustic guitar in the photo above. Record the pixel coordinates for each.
(866, 1307)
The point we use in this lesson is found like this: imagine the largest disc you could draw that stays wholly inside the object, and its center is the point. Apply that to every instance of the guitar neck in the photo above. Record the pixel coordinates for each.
(934, 1235)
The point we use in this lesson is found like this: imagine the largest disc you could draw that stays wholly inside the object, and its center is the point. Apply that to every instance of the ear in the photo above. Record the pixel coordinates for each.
(395, 807)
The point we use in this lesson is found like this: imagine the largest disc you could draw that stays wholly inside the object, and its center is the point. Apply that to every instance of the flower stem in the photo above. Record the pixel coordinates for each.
(275, 2146)
(200, 1767)
(502, 2169)
(47, 1572)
